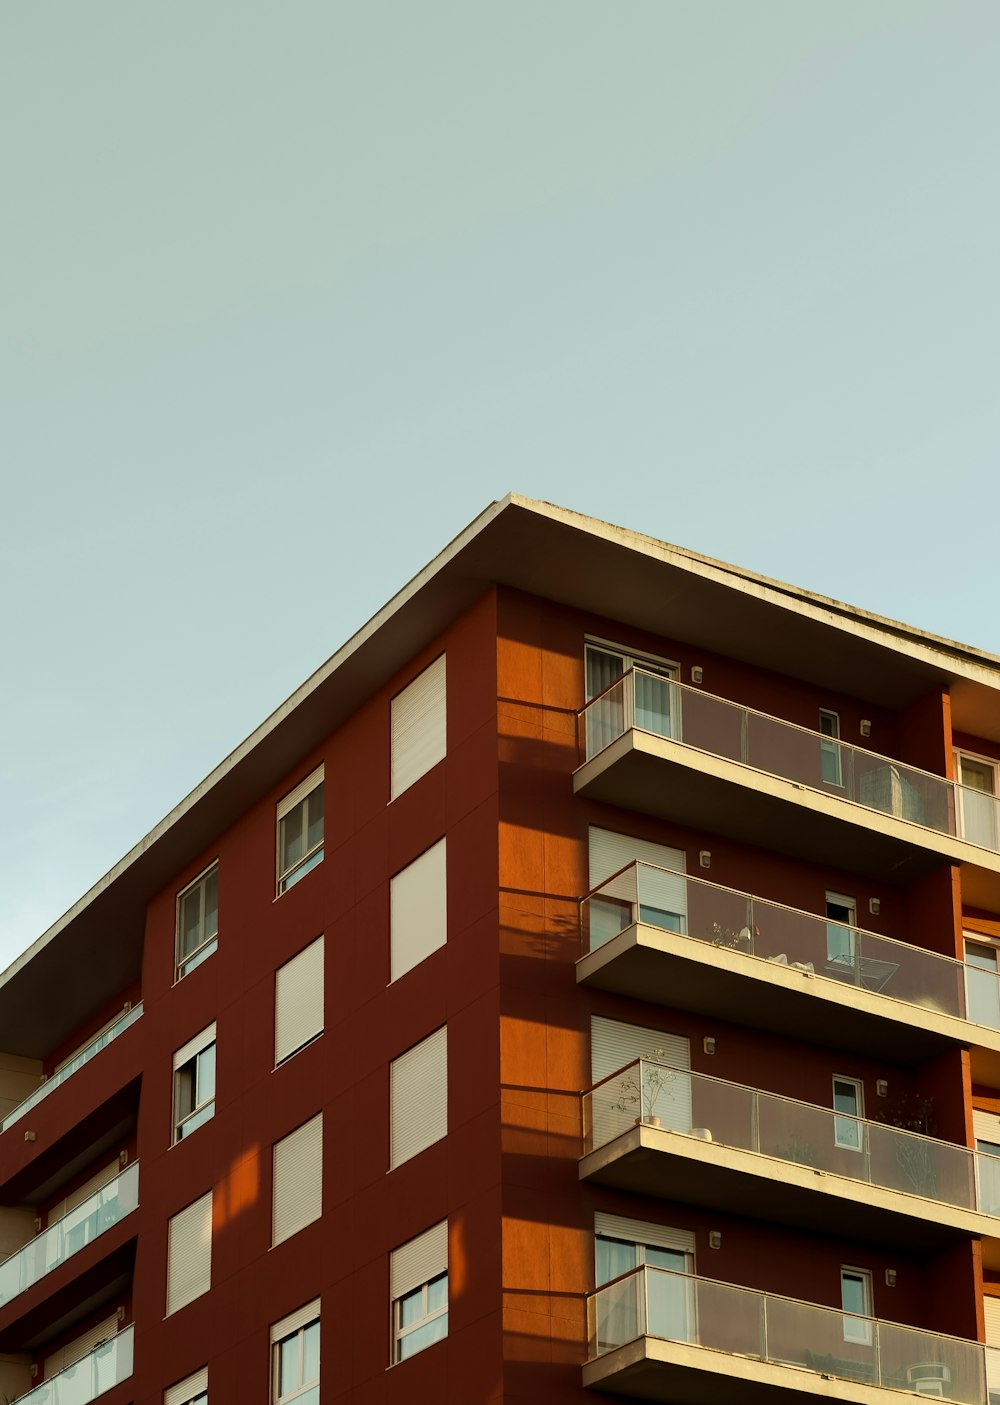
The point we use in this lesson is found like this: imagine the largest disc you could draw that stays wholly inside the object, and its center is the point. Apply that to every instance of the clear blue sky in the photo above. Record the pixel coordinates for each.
(291, 291)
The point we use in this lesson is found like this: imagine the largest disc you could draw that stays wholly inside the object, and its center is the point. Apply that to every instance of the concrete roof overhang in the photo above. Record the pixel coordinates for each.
(95, 949)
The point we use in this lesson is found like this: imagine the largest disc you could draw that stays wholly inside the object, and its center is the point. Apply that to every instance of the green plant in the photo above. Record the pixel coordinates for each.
(736, 939)
(642, 1085)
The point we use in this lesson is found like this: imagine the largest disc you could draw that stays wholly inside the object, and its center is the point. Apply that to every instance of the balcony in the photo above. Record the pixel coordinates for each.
(654, 934)
(67, 1236)
(101, 1041)
(85, 1380)
(667, 1132)
(670, 750)
(660, 1335)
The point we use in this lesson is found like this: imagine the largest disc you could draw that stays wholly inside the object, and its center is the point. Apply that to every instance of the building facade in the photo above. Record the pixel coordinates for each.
(586, 982)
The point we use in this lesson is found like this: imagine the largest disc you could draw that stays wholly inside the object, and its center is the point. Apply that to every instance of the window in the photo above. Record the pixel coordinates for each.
(622, 1245)
(295, 1358)
(300, 831)
(418, 1273)
(192, 1391)
(189, 1254)
(829, 750)
(856, 1299)
(197, 921)
(848, 1095)
(982, 980)
(419, 728)
(298, 1180)
(986, 1127)
(298, 1001)
(418, 1083)
(418, 916)
(649, 699)
(841, 935)
(977, 799)
(194, 1083)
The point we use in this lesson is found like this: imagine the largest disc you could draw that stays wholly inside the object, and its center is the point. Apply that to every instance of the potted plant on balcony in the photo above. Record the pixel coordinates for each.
(736, 940)
(642, 1085)
(913, 1113)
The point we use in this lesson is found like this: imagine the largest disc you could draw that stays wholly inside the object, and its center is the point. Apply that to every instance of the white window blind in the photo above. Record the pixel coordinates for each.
(298, 1180)
(419, 1260)
(419, 727)
(658, 1236)
(187, 1390)
(612, 1046)
(304, 788)
(991, 1312)
(194, 1046)
(986, 1126)
(418, 915)
(418, 1082)
(298, 1001)
(80, 1346)
(659, 892)
(189, 1254)
(295, 1321)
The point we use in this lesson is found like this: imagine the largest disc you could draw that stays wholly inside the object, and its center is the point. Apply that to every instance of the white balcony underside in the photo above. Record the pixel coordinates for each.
(659, 776)
(682, 1374)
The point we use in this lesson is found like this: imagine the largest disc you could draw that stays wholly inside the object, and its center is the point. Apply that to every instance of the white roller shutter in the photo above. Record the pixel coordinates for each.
(185, 1391)
(657, 1236)
(304, 788)
(189, 1254)
(986, 1126)
(80, 1346)
(991, 1312)
(295, 1321)
(298, 1001)
(418, 1082)
(419, 727)
(419, 909)
(194, 1047)
(613, 1045)
(419, 1260)
(298, 1180)
(662, 896)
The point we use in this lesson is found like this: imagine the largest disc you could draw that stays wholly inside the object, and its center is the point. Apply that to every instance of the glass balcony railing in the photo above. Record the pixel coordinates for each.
(77, 1062)
(67, 1236)
(731, 920)
(651, 703)
(722, 1317)
(106, 1366)
(733, 1115)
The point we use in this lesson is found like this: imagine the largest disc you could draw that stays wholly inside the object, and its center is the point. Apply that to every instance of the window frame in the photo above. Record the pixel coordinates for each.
(848, 1127)
(400, 1333)
(286, 877)
(294, 1328)
(830, 747)
(993, 765)
(192, 1390)
(184, 965)
(669, 668)
(842, 961)
(186, 1066)
(857, 1326)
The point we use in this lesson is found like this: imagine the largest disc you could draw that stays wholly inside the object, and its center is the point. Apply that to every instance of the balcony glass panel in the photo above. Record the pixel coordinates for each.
(742, 1321)
(77, 1062)
(701, 720)
(714, 1110)
(83, 1224)
(106, 1366)
(784, 936)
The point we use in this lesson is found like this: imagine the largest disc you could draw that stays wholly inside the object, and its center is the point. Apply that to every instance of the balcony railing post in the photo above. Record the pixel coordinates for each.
(744, 736)
(876, 1361)
(763, 1327)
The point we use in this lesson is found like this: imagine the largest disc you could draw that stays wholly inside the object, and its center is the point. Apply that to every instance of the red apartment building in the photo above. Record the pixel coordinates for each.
(586, 982)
